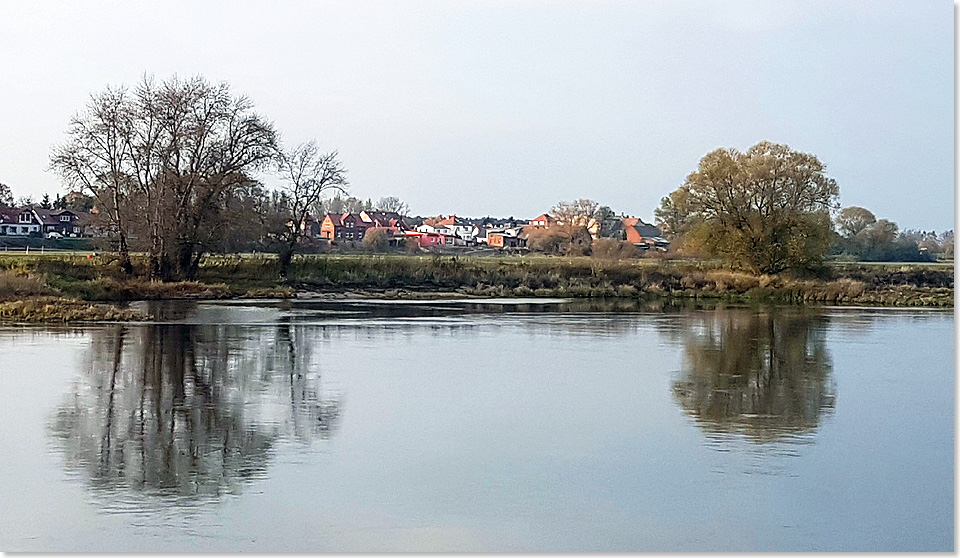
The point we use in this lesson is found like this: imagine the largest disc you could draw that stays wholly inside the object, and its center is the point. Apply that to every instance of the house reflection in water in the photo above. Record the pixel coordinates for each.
(186, 410)
(766, 375)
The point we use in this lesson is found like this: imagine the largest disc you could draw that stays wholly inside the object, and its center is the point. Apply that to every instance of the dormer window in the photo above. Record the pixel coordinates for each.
(64, 218)
(24, 217)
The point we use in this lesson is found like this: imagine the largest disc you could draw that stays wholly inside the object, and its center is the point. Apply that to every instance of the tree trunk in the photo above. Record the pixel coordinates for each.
(158, 268)
(126, 266)
(183, 264)
(286, 258)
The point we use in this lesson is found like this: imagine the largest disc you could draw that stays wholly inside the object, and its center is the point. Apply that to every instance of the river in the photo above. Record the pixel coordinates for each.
(499, 425)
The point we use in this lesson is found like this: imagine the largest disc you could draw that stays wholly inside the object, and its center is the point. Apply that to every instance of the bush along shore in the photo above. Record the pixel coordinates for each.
(73, 288)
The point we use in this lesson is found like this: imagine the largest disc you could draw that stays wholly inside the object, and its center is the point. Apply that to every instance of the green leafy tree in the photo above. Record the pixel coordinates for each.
(853, 220)
(765, 209)
(376, 240)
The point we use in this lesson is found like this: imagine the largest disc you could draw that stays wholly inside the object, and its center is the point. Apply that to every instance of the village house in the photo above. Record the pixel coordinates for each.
(384, 220)
(458, 227)
(643, 235)
(456, 231)
(338, 227)
(425, 239)
(541, 222)
(19, 222)
(353, 227)
(545, 221)
(505, 239)
(62, 222)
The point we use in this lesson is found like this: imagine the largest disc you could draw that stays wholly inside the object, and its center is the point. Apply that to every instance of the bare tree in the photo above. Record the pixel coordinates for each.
(339, 204)
(96, 159)
(576, 214)
(169, 154)
(391, 204)
(307, 174)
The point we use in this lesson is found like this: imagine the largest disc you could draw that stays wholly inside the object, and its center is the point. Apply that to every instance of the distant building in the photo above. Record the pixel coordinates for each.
(543, 221)
(505, 240)
(643, 235)
(338, 227)
(384, 220)
(19, 222)
(353, 227)
(60, 221)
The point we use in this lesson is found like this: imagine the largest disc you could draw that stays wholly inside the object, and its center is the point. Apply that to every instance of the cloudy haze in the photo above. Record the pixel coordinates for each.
(504, 108)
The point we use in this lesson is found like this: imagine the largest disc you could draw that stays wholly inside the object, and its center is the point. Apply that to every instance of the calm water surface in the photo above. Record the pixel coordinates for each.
(503, 425)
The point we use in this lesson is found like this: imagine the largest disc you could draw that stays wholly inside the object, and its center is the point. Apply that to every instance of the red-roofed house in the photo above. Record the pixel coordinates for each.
(643, 235)
(541, 222)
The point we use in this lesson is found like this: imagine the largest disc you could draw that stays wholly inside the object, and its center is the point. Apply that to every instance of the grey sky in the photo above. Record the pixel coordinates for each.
(505, 108)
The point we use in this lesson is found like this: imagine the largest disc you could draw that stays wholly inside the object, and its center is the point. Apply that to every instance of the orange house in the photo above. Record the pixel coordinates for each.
(541, 222)
(343, 226)
(500, 240)
(639, 232)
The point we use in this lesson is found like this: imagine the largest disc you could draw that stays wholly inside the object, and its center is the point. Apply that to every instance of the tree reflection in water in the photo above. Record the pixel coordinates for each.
(186, 411)
(765, 374)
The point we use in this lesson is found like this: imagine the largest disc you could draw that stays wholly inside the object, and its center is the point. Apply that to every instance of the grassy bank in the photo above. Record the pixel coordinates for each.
(889, 285)
(28, 298)
(98, 279)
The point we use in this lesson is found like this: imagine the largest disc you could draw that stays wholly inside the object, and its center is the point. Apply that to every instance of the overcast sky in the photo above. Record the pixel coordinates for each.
(506, 107)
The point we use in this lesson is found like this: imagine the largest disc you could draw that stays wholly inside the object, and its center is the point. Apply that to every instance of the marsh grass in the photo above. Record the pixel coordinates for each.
(99, 279)
(47, 309)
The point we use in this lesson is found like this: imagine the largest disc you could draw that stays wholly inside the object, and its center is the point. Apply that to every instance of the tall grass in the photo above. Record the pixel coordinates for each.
(222, 276)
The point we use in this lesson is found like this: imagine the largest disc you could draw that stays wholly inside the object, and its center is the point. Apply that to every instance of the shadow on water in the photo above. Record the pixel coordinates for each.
(191, 411)
(766, 375)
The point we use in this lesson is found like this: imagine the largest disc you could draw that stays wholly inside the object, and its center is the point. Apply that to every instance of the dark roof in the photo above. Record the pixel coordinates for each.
(11, 215)
(51, 216)
(382, 218)
(643, 229)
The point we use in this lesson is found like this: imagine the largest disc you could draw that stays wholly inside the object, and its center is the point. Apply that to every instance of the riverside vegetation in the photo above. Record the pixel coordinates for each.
(174, 169)
(74, 288)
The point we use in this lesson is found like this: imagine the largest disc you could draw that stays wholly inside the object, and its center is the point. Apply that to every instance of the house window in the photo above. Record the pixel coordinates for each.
(24, 230)
(76, 229)
(349, 235)
(64, 218)
(24, 217)
(350, 224)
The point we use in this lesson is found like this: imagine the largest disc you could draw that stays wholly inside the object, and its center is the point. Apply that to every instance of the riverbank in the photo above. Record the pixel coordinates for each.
(69, 288)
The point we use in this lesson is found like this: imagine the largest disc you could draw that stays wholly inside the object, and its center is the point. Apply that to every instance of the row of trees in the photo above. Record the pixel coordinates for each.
(171, 162)
(7, 200)
(174, 167)
(770, 208)
(860, 235)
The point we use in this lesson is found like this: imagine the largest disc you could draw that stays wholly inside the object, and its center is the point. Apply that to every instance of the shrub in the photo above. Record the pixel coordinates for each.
(376, 240)
(16, 285)
(613, 249)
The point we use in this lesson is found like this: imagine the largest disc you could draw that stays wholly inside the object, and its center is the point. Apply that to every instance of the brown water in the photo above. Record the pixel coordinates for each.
(503, 425)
